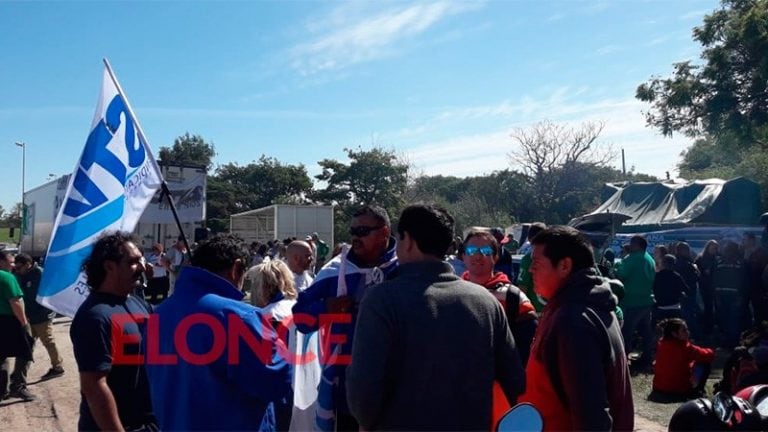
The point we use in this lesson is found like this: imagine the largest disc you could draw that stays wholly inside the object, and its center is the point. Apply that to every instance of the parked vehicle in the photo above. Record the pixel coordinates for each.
(186, 183)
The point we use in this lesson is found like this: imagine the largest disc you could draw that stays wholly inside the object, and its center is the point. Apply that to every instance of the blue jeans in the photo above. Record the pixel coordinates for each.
(640, 319)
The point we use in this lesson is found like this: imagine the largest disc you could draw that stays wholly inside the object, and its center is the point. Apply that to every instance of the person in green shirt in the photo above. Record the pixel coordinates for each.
(12, 306)
(637, 271)
(524, 278)
(322, 252)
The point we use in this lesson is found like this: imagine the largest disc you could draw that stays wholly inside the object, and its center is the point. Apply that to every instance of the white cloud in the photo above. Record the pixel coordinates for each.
(486, 151)
(252, 114)
(596, 7)
(465, 155)
(351, 41)
(608, 49)
(656, 41)
(697, 14)
(555, 17)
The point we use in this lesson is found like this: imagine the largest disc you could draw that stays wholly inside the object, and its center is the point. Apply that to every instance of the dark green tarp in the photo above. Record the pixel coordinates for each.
(668, 205)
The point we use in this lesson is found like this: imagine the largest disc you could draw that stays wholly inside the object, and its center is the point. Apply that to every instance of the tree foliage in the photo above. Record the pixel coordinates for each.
(236, 188)
(561, 172)
(189, 150)
(261, 183)
(372, 176)
(375, 176)
(10, 218)
(722, 157)
(728, 92)
(723, 100)
(489, 200)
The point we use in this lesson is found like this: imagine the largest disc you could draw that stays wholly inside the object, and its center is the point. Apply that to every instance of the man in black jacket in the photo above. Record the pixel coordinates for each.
(691, 275)
(28, 273)
(577, 374)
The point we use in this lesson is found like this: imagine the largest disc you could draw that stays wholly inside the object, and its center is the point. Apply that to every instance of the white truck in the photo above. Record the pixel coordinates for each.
(281, 221)
(43, 203)
(187, 185)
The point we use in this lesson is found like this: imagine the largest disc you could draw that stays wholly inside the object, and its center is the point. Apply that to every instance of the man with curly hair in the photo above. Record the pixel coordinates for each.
(115, 391)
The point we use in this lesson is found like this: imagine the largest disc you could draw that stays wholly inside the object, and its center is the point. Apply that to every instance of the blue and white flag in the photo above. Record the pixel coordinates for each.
(113, 182)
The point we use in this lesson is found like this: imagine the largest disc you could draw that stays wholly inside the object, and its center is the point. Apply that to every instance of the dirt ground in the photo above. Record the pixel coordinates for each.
(58, 400)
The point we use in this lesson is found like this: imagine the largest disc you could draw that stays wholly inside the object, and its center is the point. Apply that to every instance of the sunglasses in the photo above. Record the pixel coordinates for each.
(474, 250)
(362, 231)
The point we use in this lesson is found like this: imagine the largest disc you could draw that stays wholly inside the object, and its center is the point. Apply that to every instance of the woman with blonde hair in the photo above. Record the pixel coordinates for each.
(272, 289)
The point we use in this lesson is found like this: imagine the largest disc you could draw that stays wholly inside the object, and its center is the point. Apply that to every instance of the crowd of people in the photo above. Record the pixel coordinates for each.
(675, 299)
(403, 328)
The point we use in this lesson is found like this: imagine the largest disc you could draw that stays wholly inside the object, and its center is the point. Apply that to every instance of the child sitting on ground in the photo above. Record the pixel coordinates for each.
(681, 368)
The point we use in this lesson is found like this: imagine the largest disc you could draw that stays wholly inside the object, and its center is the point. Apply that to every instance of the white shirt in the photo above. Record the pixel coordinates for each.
(158, 269)
(280, 310)
(302, 281)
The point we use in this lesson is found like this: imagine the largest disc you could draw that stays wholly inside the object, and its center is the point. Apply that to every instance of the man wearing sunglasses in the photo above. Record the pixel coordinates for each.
(429, 345)
(369, 260)
(481, 252)
(481, 255)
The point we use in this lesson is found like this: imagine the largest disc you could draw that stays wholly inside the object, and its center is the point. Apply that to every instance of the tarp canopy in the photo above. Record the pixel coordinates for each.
(667, 205)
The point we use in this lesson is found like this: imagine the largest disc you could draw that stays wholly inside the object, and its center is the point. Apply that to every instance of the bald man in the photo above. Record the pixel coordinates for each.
(298, 256)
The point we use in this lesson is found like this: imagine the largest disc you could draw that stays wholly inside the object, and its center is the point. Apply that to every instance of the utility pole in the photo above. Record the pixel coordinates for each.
(623, 164)
(22, 211)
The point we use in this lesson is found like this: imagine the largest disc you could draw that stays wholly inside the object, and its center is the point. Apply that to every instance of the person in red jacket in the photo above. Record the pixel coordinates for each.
(681, 368)
(481, 252)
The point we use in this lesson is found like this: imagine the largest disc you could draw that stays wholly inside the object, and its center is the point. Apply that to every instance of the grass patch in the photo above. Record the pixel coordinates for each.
(6, 238)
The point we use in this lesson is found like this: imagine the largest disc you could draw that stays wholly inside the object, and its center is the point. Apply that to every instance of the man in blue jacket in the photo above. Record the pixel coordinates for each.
(214, 362)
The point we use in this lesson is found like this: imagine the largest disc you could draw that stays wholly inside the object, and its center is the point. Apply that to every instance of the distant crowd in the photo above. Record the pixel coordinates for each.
(407, 328)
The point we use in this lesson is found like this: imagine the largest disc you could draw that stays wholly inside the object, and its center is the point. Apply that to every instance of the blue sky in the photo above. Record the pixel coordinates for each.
(443, 83)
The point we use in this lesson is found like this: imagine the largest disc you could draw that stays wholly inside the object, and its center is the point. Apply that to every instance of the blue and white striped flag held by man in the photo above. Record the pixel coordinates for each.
(113, 182)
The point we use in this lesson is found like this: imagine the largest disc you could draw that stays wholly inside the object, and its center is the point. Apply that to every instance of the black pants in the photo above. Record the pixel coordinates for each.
(15, 341)
(17, 378)
(158, 286)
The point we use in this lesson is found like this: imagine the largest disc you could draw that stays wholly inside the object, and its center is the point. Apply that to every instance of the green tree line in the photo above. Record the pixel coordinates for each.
(558, 173)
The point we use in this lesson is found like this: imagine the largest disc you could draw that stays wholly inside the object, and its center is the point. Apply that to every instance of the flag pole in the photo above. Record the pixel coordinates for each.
(163, 185)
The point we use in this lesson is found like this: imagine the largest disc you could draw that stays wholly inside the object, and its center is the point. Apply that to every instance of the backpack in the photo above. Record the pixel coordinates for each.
(513, 303)
(739, 365)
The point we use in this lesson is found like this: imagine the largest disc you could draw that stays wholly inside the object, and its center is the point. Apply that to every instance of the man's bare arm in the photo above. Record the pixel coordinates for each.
(100, 400)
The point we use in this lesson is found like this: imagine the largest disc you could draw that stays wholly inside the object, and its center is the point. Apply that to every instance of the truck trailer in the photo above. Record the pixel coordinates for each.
(281, 221)
(186, 183)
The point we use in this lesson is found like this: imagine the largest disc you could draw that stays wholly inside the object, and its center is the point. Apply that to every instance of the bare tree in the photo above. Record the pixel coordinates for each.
(547, 146)
(548, 154)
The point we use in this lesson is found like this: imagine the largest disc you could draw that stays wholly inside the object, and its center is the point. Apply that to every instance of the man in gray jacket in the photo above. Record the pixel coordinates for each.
(428, 345)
